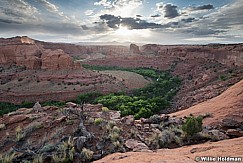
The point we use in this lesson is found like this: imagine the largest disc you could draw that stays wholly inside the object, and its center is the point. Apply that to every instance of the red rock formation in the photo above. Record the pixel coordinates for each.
(22, 51)
(134, 49)
(56, 59)
(225, 54)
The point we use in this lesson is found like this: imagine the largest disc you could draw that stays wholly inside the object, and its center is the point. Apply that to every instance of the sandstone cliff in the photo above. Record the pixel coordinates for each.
(225, 54)
(22, 51)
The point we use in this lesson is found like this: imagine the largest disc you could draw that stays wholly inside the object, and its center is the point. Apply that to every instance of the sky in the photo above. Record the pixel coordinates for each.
(142, 21)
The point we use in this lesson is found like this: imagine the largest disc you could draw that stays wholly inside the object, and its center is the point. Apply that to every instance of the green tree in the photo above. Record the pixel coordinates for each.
(192, 125)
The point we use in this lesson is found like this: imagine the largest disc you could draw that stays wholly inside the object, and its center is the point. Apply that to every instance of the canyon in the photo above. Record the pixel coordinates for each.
(36, 71)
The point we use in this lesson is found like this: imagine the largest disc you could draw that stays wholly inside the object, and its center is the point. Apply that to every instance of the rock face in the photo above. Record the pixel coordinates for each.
(136, 146)
(180, 155)
(134, 49)
(225, 54)
(56, 59)
(22, 51)
(226, 109)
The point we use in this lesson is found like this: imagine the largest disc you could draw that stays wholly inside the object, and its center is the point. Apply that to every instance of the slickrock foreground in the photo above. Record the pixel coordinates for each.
(225, 148)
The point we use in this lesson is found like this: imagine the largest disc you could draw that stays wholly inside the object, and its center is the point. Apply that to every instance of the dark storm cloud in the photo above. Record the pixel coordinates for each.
(203, 7)
(115, 21)
(203, 31)
(155, 16)
(188, 20)
(170, 11)
(9, 21)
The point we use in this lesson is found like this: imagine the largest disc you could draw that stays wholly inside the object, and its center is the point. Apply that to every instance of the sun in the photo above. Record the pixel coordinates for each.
(124, 31)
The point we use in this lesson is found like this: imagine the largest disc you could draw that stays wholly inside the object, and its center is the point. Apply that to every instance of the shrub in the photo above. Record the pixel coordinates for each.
(38, 159)
(162, 139)
(66, 152)
(116, 129)
(88, 97)
(98, 121)
(27, 104)
(192, 125)
(7, 108)
(105, 109)
(87, 154)
(7, 158)
(19, 133)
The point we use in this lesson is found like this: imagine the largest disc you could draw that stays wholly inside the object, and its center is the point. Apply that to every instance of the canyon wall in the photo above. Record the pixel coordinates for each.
(225, 54)
(75, 50)
(33, 54)
(23, 51)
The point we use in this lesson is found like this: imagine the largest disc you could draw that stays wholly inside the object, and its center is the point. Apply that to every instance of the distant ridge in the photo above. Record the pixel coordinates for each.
(109, 43)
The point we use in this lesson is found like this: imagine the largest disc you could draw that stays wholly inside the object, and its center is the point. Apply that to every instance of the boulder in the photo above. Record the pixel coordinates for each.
(128, 120)
(217, 134)
(234, 133)
(37, 107)
(16, 119)
(136, 145)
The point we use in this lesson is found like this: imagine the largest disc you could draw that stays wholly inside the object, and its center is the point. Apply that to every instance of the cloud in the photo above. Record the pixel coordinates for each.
(104, 3)
(203, 31)
(17, 11)
(188, 20)
(52, 8)
(116, 21)
(203, 7)
(155, 16)
(227, 20)
(88, 12)
(125, 8)
(168, 10)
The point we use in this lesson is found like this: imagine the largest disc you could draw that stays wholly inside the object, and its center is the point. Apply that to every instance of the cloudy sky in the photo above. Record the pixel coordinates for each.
(143, 21)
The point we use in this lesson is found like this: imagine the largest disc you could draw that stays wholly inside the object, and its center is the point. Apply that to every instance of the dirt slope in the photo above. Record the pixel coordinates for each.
(230, 148)
(227, 105)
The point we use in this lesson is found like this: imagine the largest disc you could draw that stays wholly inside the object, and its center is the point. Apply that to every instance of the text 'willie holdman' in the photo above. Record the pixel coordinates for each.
(218, 159)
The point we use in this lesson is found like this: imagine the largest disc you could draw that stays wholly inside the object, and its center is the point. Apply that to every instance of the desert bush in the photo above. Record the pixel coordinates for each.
(47, 148)
(38, 159)
(133, 132)
(7, 158)
(87, 154)
(114, 136)
(116, 129)
(105, 109)
(163, 139)
(98, 121)
(192, 125)
(2, 126)
(19, 133)
(155, 118)
(65, 152)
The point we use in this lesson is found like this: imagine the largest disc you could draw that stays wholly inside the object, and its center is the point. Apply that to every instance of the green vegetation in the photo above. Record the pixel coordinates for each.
(192, 125)
(142, 102)
(88, 97)
(54, 103)
(7, 107)
(98, 121)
